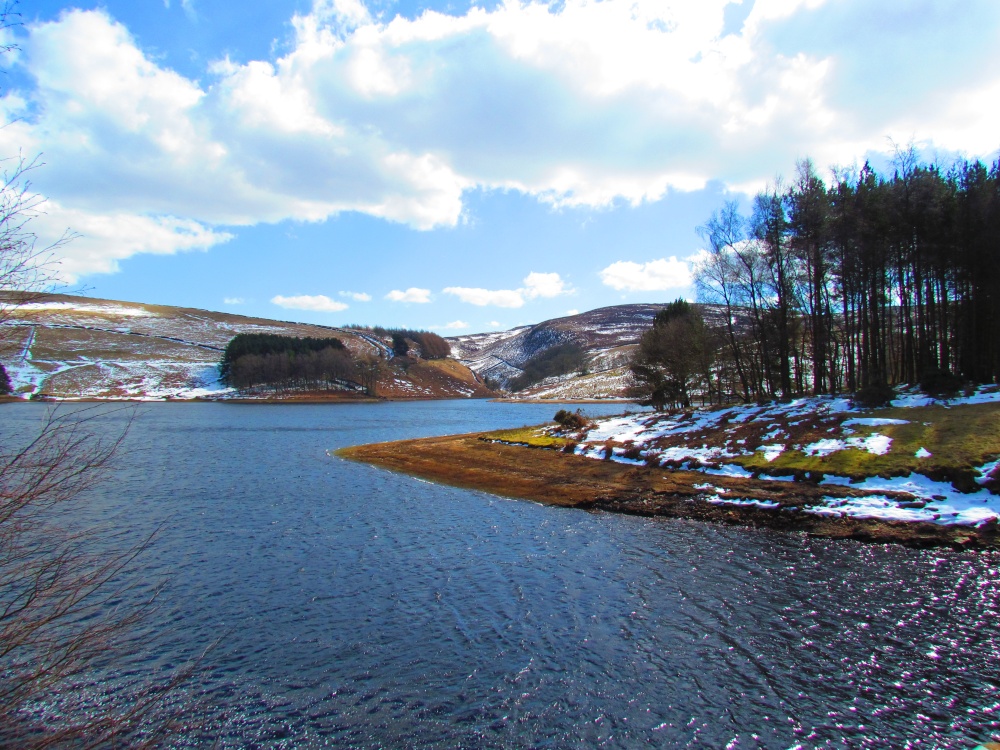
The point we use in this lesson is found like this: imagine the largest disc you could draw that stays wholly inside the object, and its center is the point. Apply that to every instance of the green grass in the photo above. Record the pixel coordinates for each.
(536, 437)
(959, 438)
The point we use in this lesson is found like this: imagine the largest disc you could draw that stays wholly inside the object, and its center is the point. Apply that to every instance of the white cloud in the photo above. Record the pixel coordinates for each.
(233, 300)
(413, 294)
(654, 276)
(483, 297)
(535, 285)
(103, 239)
(455, 325)
(575, 103)
(543, 285)
(574, 311)
(356, 296)
(314, 303)
(494, 324)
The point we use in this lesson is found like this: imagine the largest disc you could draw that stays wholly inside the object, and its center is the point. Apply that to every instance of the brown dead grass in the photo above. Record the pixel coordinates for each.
(567, 480)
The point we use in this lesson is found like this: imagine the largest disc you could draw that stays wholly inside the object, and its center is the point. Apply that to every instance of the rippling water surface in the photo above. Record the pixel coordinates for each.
(353, 607)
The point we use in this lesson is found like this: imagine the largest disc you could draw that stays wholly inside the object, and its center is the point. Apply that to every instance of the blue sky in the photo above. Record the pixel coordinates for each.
(452, 165)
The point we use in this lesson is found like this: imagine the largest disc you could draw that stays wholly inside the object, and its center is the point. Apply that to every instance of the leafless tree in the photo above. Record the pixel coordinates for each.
(67, 600)
(26, 269)
(370, 368)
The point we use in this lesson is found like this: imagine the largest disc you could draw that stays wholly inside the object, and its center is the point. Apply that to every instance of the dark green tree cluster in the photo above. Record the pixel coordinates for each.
(5, 386)
(869, 282)
(261, 344)
(400, 346)
(561, 359)
(428, 345)
(258, 361)
(674, 358)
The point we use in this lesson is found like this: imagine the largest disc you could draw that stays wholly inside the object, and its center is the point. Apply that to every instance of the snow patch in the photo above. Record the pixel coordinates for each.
(872, 421)
(771, 452)
(728, 470)
(121, 310)
(876, 444)
(716, 500)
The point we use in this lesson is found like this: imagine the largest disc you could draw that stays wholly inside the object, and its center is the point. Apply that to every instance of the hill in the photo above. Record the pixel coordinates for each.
(608, 336)
(80, 347)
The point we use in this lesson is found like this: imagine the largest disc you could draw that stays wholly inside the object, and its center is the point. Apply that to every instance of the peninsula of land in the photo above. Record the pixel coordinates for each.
(922, 472)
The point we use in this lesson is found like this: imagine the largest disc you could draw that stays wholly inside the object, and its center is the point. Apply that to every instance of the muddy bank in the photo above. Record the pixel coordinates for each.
(556, 478)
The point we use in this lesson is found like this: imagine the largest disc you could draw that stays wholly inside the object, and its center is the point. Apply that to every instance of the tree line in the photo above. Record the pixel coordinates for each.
(263, 361)
(869, 282)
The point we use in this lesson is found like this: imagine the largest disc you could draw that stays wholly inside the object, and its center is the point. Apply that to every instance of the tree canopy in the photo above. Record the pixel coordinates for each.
(263, 344)
(274, 362)
(863, 282)
(561, 359)
(674, 357)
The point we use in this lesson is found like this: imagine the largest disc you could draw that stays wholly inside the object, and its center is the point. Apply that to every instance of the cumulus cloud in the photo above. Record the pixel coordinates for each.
(413, 294)
(314, 303)
(233, 300)
(357, 296)
(535, 285)
(100, 240)
(655, 276)
(543, 285)
(483, 297)
(455, 325)
(575, 103)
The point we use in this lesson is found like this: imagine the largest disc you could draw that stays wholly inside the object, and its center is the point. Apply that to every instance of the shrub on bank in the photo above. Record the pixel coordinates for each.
(940, 383)
(570, 420)
(874, 395)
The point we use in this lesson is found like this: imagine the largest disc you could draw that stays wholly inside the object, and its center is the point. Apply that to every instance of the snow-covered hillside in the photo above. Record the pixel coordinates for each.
(608, 335)
(78, 347)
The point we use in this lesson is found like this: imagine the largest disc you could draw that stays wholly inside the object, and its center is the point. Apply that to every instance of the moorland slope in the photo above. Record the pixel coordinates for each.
(71, 347)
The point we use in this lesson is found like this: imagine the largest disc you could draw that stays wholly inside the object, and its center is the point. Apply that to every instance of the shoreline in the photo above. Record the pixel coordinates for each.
(244, 401)
(557, 401)
(552, 477)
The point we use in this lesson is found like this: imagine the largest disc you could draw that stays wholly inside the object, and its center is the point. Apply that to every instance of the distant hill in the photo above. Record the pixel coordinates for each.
(80, 347)
(607, 334)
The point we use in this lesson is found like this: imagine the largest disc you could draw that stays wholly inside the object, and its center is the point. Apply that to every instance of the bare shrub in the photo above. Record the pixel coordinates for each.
(66, 603)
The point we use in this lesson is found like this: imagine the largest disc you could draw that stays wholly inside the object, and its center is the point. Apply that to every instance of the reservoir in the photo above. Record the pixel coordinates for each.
(346, 606)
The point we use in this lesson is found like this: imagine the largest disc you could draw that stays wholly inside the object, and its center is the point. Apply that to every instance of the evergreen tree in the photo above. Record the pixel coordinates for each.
(871, 282)
(674, 357)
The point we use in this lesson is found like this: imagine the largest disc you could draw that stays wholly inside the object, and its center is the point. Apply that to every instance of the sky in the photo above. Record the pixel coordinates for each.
(458, 166)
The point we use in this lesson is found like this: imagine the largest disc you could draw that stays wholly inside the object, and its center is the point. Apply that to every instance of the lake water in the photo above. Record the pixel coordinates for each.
(353, 607)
